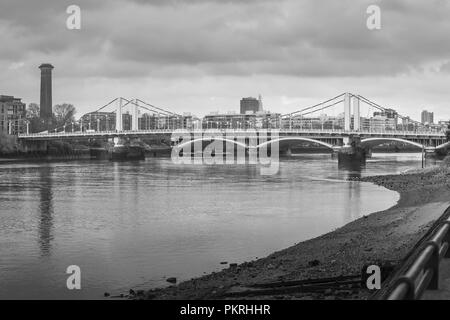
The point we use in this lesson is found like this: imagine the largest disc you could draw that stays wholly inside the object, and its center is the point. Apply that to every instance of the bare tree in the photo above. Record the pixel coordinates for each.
(33, 115)
(64, 113)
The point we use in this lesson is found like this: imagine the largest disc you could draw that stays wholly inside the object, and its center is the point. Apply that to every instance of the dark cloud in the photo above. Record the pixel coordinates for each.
(302, 38)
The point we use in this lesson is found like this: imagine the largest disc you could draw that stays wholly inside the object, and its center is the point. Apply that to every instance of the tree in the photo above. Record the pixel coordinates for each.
(448, 132)
(33, 113)
(37, 125)
(33, 116)
(64, 114)
(33, 110)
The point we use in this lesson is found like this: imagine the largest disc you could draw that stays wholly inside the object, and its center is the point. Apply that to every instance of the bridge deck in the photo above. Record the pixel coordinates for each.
(332, 133)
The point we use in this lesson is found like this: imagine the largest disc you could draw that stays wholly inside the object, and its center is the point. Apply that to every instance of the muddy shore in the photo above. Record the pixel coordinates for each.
(381, 236)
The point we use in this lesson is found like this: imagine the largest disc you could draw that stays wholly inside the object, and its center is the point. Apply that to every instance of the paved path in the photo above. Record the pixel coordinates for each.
(444, 283)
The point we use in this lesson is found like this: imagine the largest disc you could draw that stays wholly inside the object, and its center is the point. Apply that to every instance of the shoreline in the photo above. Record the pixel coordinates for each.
(384, 236)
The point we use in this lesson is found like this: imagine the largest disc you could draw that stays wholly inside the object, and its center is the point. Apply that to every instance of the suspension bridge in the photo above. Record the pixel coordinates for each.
(348, 130)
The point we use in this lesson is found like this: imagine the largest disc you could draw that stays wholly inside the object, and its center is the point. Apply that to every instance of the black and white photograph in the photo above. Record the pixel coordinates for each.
(225, 154)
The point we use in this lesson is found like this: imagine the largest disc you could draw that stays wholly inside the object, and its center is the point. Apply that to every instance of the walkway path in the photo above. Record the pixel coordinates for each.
(444, 283)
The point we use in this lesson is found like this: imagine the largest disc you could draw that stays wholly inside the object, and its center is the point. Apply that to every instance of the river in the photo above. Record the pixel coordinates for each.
(133, 224)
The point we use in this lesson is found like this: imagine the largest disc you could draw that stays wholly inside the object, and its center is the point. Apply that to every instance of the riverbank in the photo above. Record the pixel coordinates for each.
(45, 157)
(382, 236)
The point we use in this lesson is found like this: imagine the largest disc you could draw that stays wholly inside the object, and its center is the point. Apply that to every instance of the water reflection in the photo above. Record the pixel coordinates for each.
(45, 211)
(354, 196)
(352, 170)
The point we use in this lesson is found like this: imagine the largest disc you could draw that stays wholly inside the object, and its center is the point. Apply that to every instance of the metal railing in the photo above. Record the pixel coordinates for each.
(423, 273)
(297, 131)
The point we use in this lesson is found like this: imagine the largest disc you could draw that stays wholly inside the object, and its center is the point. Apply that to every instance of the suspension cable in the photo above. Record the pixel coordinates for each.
(165, 114)
(166, 111)
(314, 106)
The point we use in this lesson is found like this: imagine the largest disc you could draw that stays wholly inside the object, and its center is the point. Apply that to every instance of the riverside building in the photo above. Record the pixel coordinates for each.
(12, 115)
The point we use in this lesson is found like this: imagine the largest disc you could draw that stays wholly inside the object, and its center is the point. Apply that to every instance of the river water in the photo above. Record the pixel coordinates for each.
(132, 224)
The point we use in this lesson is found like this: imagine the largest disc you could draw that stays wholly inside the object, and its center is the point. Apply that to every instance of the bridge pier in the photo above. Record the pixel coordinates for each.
(351, 152)
(124, 150)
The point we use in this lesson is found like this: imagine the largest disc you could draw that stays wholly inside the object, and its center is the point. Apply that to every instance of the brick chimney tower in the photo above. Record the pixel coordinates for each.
(46, 91)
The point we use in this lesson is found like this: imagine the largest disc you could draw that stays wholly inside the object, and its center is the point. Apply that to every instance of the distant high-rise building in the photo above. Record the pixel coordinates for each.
(427, 117)
(249, 105)
(46, 91)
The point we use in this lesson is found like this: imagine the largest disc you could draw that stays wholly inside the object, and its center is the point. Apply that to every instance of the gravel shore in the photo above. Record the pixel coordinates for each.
(382, 236)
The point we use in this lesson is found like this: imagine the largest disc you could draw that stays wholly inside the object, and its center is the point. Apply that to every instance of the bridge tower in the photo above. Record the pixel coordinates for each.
(356, 114)
(135, 122)
(119, 116)
(347, 112)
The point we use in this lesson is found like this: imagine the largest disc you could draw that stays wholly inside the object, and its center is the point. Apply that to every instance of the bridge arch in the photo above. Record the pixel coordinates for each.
(381, 140)
(183, 144)
(294, 139)
(444, 145)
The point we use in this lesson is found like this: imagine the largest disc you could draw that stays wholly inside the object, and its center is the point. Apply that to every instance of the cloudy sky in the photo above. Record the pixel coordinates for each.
(204, 55)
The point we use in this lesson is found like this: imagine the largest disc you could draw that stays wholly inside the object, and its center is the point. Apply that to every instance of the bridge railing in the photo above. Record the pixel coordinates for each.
(86, 133)
(366, 132)
(296, 131)
(423, 273)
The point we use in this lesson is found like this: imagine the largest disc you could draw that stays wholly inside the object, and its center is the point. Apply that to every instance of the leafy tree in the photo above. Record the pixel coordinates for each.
(448, 133)
(33, 110)
(64, 114)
